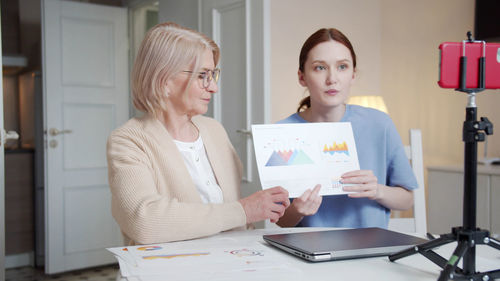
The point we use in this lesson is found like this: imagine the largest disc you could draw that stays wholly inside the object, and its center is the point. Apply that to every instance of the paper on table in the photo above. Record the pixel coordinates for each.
(124, 254)
(175, 261)
(298, 156)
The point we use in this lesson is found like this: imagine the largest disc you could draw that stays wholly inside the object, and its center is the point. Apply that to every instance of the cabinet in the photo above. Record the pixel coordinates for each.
(445, 198)
(19, 192)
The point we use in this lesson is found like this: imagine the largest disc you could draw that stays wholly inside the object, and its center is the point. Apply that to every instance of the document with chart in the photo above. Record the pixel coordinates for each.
(298, 156)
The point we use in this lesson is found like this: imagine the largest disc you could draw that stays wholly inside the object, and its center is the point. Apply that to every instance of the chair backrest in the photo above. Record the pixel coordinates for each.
(417, 224)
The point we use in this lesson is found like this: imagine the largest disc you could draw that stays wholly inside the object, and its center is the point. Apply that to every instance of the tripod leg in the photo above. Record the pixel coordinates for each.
(422, 247)
(449, 269)
(493, 243)
(435, 258)
(494, 274)
(469, 261)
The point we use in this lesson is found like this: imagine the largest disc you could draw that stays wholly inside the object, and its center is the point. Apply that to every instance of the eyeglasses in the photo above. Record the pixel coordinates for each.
(206, 76)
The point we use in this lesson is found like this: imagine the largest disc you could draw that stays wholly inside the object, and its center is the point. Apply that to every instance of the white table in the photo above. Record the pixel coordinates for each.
(415, 267)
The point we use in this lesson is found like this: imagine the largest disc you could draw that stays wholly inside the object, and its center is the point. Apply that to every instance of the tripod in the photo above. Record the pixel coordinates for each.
(468, 235)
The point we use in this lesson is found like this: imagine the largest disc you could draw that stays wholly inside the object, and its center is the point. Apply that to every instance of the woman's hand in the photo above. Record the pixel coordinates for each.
(391, 197)
(305, 205)
(308, 203)
(266, 204)
(364, 184)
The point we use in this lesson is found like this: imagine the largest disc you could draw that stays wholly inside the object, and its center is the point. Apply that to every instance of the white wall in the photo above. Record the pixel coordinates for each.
(396, 42)
(169, 11)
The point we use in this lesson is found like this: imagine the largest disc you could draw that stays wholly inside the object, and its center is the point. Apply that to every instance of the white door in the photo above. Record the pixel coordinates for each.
(85, 70)
(240, 29)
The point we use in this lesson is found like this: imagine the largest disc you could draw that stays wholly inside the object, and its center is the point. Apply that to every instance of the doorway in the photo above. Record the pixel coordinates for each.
(21, 104)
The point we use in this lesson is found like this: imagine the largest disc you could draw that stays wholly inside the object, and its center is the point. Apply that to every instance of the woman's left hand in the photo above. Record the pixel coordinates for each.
(364, 184)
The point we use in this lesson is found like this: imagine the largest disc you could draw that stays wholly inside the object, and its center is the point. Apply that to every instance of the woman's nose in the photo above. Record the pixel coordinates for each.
(331, 78)
(212, 87)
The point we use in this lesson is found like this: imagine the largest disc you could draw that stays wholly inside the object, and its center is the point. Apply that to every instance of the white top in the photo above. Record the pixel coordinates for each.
(196, 160)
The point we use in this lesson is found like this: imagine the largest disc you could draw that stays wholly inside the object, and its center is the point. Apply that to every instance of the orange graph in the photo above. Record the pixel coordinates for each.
(341, 147)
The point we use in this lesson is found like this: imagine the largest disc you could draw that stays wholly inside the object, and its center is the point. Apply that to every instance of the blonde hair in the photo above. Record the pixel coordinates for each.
(167, 49)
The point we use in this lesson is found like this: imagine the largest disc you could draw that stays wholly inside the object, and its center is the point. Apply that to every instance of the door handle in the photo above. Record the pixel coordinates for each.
(9, 135)
(244, 132)
(55, 132)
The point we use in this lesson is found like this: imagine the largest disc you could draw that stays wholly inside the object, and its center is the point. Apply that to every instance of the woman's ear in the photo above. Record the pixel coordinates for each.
(166, 91)
(354, 75)
(301, 78)
(167, 87)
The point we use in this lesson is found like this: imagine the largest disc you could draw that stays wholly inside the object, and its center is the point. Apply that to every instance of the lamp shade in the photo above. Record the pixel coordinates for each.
(376, 102)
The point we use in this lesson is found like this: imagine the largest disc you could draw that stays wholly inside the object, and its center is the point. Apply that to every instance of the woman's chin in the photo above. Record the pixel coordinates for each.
(201, 110)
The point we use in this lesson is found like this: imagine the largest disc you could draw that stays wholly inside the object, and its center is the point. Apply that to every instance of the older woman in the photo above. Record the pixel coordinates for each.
(173, 173)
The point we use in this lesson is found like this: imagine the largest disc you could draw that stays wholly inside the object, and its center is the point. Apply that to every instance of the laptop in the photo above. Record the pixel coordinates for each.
(343, 244)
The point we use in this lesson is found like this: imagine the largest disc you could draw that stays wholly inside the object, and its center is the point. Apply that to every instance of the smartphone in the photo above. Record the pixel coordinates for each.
(449, 64)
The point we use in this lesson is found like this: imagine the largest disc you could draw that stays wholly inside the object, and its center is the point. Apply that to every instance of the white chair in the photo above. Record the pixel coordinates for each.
(417, 224)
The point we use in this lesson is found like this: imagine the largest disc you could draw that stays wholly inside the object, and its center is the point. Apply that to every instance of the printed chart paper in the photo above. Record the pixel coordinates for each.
(299, 156)
(177, 261)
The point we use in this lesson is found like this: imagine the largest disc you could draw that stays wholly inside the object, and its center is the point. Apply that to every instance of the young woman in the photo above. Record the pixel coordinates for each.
(173, 173)
(327, 68)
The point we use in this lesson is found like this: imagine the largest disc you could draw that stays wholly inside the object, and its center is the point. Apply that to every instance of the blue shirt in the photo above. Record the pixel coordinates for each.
(379, 149)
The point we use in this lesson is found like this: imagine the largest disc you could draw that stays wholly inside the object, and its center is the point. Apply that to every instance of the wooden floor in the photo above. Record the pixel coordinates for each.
(107, 273)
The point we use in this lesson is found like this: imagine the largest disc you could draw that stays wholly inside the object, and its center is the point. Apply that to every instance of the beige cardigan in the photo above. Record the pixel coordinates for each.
(153, 196)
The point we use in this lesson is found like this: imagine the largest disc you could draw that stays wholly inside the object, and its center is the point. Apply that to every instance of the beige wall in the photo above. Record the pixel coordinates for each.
(292, 21)
(397, 46)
